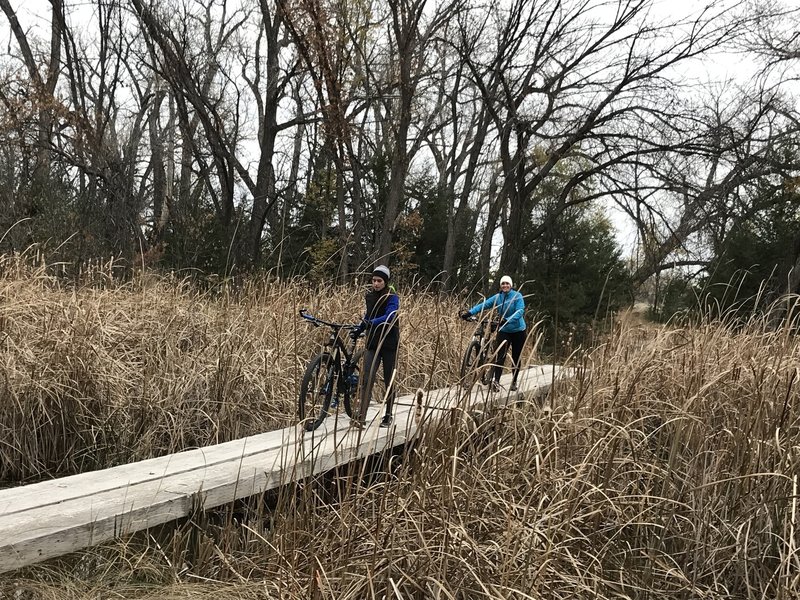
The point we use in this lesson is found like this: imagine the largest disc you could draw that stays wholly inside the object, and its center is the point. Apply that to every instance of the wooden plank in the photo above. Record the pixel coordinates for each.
(52, 518)
(93, 482)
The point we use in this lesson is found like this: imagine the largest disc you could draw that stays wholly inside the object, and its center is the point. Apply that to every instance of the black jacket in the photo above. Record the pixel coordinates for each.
(381, 316)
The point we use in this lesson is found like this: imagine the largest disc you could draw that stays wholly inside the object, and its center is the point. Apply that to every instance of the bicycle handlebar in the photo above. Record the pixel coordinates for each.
(476, 318)
(316, 322)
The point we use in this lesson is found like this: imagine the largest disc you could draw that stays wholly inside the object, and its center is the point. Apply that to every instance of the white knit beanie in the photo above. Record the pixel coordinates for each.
(506, 279)
(382, 271)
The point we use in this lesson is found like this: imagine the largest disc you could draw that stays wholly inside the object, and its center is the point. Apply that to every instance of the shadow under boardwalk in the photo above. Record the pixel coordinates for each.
(55, 517)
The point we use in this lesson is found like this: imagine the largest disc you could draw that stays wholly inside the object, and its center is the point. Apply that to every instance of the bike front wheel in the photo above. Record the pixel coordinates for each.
(316, 390)
(471, 360)
(474, 365)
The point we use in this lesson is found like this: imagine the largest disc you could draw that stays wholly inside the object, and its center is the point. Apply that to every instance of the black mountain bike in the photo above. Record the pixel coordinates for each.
(331, 376)
(477, 362)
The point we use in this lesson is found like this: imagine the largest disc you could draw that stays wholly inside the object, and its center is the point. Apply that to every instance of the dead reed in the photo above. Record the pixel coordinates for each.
(102, 373)
(666, 468)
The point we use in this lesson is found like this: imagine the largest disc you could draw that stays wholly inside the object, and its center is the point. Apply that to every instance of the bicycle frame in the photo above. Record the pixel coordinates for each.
(334, 346)
(342, 361)
(486, 339)
(486, 342)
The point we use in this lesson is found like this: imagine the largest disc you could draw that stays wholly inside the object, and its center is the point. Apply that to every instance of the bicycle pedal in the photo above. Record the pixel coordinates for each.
(335, 403)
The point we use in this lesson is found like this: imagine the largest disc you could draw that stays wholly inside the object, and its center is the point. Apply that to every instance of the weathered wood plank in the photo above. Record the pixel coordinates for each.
(87, 484)
(52, 518)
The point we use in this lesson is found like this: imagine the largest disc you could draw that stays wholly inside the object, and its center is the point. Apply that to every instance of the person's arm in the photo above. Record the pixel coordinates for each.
(488, 303)
(392, 306)
(362, 325)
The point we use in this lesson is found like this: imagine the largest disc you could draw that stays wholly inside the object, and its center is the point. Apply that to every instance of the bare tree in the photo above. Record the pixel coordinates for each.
(741, 154)
(191, 94)
(336, 68)
(457, 142)
(740, 145)
(370, 88)
(411, 35)
(205, 94)
(772, 33)
(560, 85)
(85, 139)
(40, 96)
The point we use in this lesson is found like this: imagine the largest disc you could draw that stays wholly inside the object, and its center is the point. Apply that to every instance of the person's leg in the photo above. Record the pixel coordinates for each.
(369, 371)
(503, 339)
(517, 344)
(389, 358)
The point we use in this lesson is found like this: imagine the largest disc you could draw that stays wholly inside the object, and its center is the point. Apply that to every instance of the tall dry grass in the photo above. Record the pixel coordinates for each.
(667, 468)
(100, 373)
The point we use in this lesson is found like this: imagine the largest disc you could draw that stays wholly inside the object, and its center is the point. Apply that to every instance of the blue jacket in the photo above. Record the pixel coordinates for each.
(510, 306)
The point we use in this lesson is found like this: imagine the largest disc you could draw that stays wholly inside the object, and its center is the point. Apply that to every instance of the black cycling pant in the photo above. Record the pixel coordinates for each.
(517, 341)
(372, 358)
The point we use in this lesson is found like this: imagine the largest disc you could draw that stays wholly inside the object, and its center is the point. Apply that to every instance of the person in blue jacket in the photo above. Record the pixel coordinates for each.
(383, 338)
(510, 307)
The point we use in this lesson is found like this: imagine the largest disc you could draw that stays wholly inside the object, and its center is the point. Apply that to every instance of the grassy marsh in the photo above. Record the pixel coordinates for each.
(667, 468)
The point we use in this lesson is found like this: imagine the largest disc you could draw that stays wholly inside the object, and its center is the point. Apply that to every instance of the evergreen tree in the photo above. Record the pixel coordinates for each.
(575, 270)
(752, 265)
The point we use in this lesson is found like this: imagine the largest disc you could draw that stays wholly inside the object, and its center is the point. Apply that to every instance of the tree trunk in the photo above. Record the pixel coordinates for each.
(495, 206)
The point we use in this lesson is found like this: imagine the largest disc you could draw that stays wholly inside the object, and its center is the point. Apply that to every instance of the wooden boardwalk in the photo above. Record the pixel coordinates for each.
(55, 517)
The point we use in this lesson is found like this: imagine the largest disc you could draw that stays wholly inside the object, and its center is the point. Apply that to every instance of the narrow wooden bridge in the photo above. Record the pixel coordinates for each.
(55, 517)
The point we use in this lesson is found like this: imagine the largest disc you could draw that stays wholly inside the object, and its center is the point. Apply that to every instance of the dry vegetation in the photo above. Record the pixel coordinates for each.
(666, 469)
(102, 373)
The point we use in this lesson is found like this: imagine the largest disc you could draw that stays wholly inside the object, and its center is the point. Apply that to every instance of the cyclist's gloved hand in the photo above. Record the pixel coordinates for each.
(503, 323)
(359, 329)
(465, 315)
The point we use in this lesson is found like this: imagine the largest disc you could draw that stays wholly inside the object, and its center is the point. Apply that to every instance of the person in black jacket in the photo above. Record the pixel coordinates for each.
(383, 337)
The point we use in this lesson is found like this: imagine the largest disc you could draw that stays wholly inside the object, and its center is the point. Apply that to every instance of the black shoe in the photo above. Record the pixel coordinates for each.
(386, 421)
(513, 387)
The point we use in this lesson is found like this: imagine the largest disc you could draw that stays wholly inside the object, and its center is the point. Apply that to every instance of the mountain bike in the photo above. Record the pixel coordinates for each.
(331, 376)
(476, 363)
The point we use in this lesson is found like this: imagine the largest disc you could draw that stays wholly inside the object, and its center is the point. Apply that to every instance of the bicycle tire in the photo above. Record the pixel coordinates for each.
(471, 358)
(351, 393)
(481, 368)
(315, 397)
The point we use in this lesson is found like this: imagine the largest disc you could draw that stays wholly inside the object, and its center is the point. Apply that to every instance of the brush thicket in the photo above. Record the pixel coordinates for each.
(667, 467)
(103, 373)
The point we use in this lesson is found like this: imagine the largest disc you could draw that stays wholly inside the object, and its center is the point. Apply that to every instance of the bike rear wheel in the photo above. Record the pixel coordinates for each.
(485, 369)
(316, 390)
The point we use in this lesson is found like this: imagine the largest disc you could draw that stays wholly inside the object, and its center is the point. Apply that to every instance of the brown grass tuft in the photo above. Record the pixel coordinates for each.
(105, 373)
